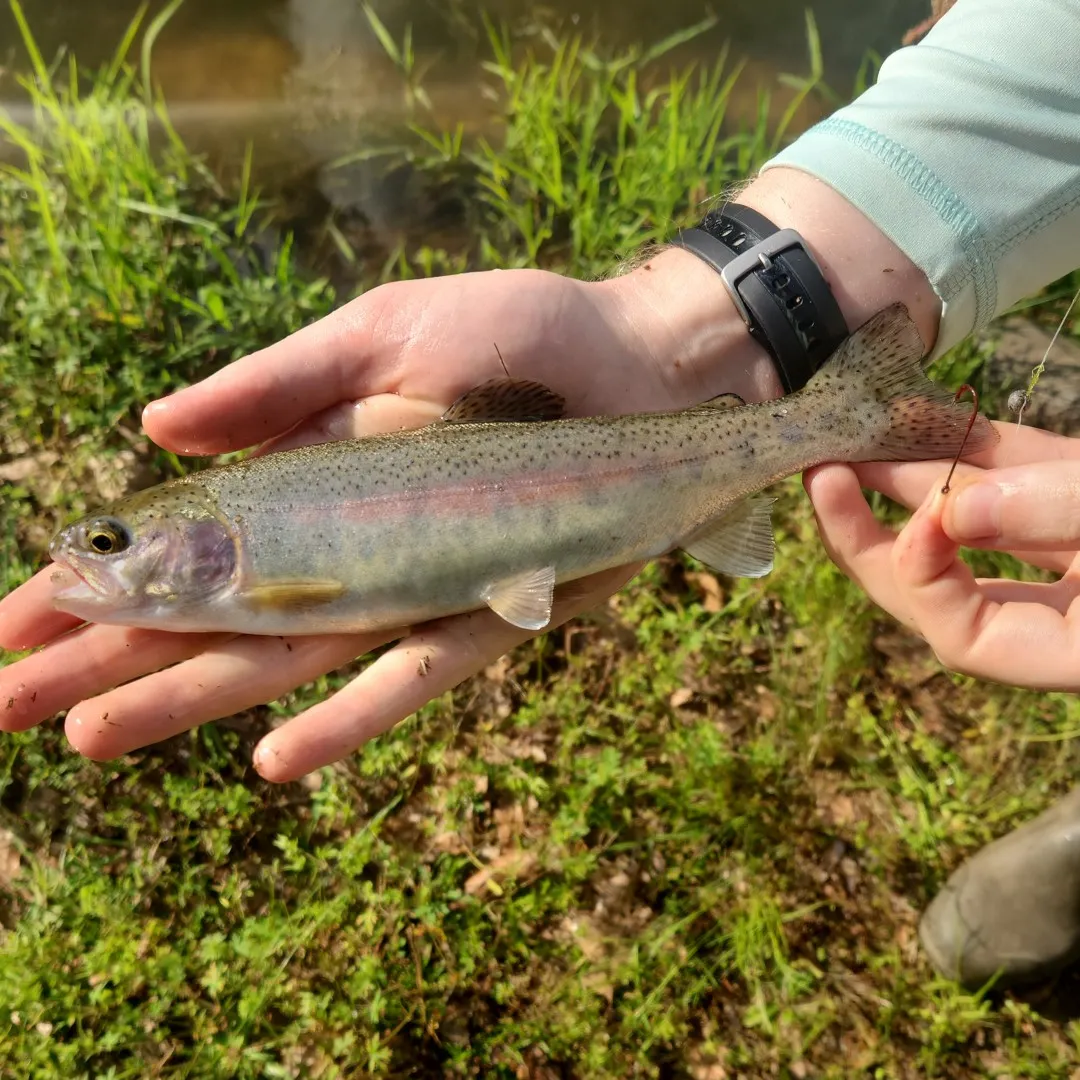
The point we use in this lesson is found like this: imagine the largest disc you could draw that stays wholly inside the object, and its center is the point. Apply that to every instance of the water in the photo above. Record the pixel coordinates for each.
(306, 81)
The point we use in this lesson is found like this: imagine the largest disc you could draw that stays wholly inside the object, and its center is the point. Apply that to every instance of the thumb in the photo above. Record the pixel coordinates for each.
(942, 595)
(924, 553)
(1034, 507)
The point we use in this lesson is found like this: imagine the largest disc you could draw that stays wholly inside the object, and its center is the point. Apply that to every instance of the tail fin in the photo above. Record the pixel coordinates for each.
(902, 416)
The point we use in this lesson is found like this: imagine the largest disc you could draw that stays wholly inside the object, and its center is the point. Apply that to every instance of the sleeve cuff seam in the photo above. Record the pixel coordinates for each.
(946, 205)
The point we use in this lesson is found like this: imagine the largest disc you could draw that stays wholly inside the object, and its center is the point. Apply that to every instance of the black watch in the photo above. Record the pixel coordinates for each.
(776, 285)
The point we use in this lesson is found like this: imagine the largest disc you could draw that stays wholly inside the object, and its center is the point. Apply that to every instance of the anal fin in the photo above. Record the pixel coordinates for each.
(293, 595)
(739, 542)
(523, 600)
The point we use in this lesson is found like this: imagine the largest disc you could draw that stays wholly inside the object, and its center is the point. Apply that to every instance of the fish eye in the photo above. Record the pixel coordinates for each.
(107, 537)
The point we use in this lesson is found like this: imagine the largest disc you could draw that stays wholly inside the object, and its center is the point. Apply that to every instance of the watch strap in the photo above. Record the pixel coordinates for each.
(776, 285)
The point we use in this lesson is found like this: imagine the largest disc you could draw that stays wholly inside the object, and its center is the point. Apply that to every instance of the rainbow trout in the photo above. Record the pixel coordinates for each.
(491, 506)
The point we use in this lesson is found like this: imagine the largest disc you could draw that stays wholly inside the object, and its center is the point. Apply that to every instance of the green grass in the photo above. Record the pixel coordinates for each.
(125, 271)
(598, 154)
(687, 837)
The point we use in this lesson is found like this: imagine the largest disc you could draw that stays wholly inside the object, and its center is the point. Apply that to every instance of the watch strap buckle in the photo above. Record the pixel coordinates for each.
(759, 257)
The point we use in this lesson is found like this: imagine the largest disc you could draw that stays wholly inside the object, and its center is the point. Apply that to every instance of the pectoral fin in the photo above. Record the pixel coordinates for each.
(524, 600)
(505, 399)
(740, 542)
(293, 595)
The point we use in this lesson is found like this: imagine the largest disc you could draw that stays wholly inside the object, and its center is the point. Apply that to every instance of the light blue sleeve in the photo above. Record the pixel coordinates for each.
(966, 153)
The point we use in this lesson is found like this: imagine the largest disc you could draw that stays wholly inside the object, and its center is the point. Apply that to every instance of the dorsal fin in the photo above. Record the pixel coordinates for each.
(505, 400)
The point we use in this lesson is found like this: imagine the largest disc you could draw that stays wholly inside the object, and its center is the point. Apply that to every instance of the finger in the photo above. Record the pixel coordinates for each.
(27, 617)
(1020, 445)
(1035, 506)
(1017, 445)
(940, 587)
(83, 663)
(268, 392)
(908, 482)
(855, 540)
(356, 419)
(401, 337)
(428, 663)
(1019, 641)
(225, 679)
(1059, 595)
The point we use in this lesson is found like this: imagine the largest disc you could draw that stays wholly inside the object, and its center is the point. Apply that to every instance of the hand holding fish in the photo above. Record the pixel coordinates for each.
(663, 337)
(1023, 497)
(394, 358)
(322, 554)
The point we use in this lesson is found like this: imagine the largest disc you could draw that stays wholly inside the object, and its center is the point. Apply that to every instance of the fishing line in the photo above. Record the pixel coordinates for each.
(1020, 399)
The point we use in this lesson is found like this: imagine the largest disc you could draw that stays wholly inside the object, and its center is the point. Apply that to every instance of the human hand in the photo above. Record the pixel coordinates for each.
(396, 357)
(664, 336)
(1023, 497)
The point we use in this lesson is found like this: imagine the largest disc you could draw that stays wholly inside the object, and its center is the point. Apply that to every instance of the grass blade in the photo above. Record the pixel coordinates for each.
(157, 24)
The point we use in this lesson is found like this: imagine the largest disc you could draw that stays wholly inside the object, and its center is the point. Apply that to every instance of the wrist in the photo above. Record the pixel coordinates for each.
(677, 306)
(864, 268)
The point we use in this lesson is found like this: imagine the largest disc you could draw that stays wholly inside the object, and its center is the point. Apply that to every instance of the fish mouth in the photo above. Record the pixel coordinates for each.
(71, 588)
(68, 583)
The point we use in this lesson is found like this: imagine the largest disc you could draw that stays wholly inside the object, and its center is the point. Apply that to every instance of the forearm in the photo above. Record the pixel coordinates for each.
(952, 187)
(679, 305)
(965, 154)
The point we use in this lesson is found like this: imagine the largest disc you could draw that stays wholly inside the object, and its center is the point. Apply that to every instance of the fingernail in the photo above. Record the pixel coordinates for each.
(975, 513)
(347, 424)
(267, 762)
(160, 404)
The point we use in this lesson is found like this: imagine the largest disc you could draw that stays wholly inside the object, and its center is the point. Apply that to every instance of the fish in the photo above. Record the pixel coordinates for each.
(495, 504)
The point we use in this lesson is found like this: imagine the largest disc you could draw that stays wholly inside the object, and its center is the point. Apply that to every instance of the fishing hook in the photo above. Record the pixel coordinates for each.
(965, 389)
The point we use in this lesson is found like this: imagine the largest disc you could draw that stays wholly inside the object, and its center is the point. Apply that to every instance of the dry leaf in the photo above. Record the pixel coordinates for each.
(510, 824)
(712, 595)
(498, 671)
(14, 472)
(600, 983)
(527, 749)
(768, 707)
(708, 1069)
(448, 842)
(510, 864)
(583, 931)
(840, 810)
(10, 863)
(681, 697)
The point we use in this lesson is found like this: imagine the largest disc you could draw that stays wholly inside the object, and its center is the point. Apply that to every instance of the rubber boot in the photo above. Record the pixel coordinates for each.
(1013, 909)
